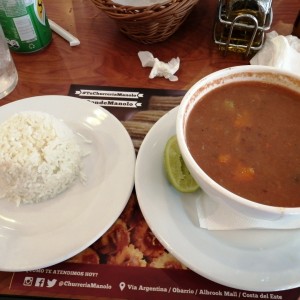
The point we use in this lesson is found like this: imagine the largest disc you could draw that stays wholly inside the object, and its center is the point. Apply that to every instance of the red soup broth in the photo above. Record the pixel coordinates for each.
(246, 137)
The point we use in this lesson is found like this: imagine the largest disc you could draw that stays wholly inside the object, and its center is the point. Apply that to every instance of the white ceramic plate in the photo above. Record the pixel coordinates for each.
(254, 260)
(39, 235)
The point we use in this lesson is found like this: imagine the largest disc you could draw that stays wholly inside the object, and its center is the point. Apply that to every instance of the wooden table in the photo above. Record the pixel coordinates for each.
(107, 57)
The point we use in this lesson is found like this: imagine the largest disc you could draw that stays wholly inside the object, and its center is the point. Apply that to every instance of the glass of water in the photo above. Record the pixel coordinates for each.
(8, 72)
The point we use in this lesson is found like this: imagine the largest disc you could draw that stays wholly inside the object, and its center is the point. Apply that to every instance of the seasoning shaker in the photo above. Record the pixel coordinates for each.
(240, 25)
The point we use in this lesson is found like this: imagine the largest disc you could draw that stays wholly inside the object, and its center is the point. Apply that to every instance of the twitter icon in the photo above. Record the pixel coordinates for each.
(51, 283)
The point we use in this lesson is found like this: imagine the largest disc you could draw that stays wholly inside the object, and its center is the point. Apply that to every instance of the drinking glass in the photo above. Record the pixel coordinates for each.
(8, 72)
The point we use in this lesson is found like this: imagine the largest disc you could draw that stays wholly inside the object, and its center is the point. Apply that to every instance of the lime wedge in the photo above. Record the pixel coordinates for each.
(176, 170)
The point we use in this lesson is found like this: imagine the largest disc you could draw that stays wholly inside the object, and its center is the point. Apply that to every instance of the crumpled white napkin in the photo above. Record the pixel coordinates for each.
(213, 215)
(279, 51)
(159, 68)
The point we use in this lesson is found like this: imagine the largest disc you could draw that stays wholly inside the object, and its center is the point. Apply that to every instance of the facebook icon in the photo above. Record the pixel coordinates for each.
(40, 282)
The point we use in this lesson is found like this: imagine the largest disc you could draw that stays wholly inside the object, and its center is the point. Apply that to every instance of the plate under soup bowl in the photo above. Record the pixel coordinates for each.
(238, 131)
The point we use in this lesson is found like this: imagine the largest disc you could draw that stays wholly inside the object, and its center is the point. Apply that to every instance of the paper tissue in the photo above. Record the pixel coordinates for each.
(215, 216)
(159, 68)
(279, 51)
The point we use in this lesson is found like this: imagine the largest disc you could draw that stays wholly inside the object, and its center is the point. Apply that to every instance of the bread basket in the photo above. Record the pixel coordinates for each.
(148, 24)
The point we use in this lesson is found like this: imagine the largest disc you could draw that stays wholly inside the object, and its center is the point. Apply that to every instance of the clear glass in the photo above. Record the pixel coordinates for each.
(8, 72)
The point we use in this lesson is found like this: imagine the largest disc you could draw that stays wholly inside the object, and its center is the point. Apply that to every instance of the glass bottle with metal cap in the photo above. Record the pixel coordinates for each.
(241, 24)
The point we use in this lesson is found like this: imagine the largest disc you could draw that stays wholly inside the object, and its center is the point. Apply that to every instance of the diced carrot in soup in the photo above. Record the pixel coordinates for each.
(244, 173)
(243, 120)
(224, 158)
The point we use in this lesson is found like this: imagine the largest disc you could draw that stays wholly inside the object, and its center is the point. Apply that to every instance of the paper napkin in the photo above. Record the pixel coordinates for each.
(213, 215)
(279, 51)
(159, 68)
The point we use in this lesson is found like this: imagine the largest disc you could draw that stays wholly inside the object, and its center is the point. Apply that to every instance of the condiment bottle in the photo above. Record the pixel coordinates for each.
(241, 24)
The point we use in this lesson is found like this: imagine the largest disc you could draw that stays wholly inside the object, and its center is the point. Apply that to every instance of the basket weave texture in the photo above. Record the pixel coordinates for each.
(148, 24)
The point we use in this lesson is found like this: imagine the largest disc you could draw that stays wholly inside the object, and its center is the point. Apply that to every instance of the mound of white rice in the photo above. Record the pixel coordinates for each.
(39, 157)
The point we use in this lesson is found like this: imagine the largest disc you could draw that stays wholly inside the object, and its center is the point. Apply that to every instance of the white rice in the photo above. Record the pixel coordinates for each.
(39, 157)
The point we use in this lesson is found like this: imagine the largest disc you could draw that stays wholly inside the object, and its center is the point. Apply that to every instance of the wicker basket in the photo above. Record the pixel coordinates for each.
(148, 24)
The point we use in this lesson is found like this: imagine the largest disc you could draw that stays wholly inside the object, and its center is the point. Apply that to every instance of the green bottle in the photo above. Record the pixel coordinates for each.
(25, 25)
